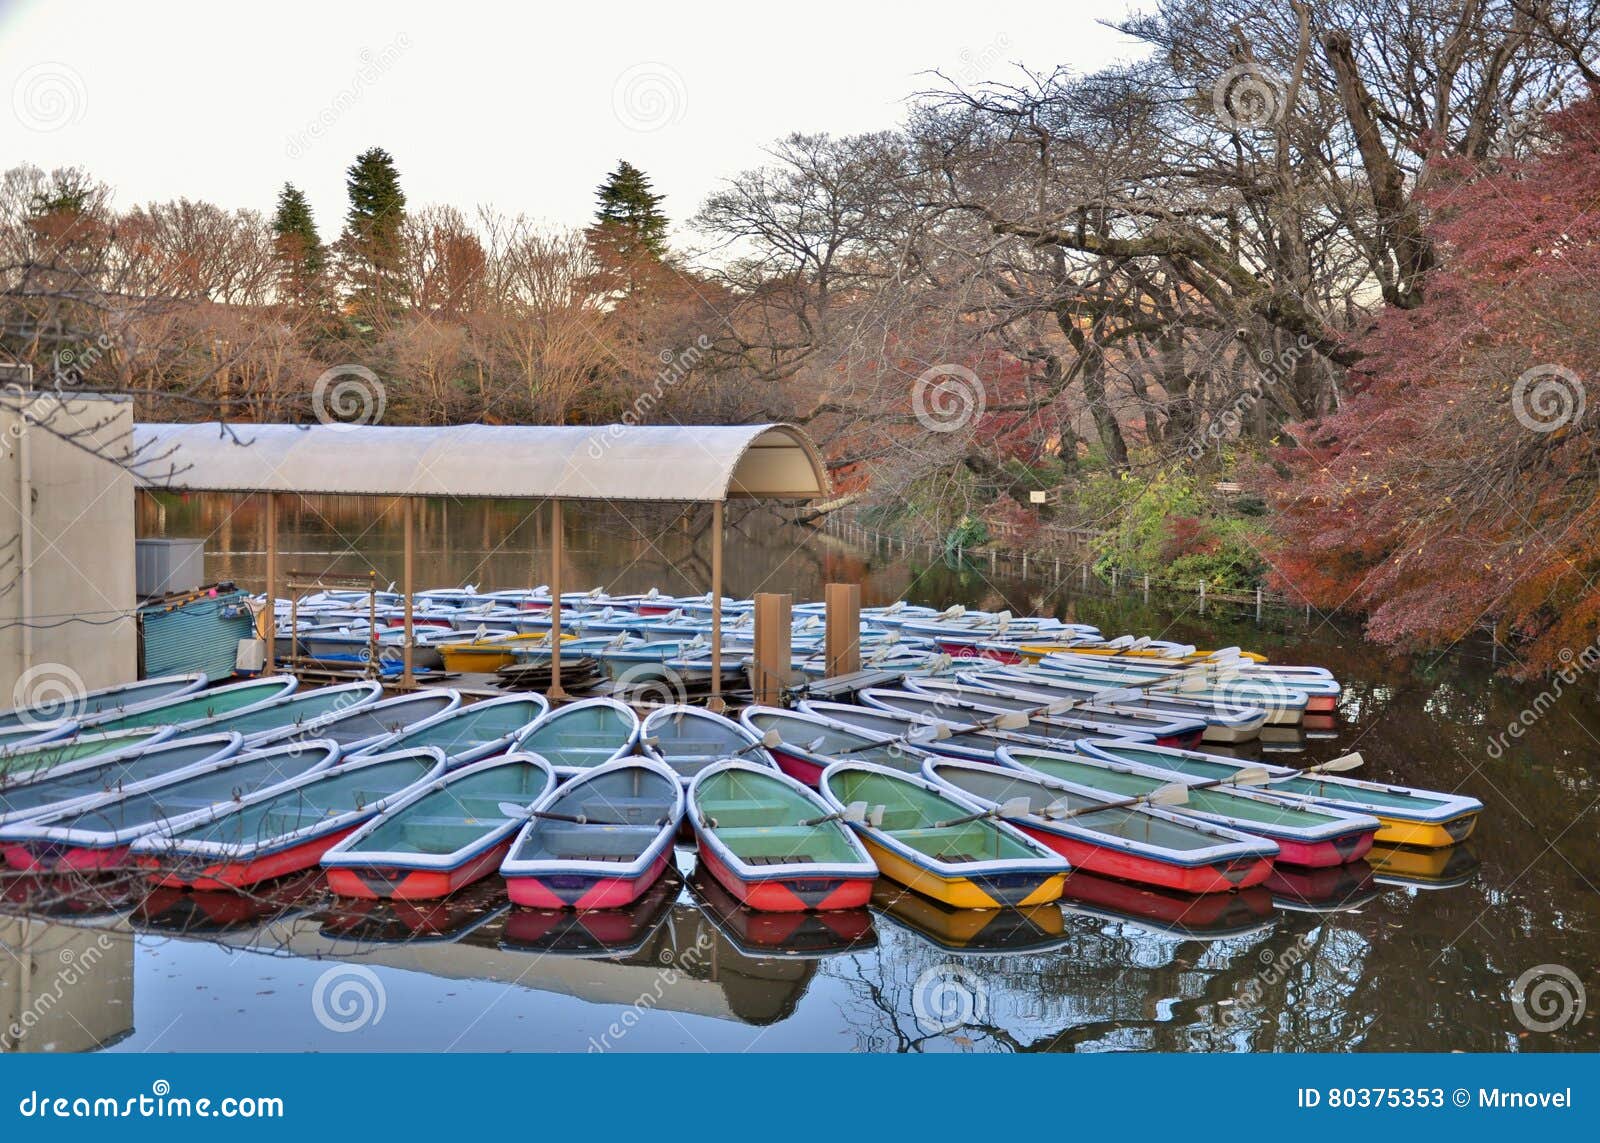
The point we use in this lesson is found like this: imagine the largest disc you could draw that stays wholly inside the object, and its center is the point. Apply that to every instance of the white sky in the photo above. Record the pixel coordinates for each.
(524, 106)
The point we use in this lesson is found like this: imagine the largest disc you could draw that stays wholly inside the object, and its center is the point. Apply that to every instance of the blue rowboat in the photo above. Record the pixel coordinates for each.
(366, 724)
(126, 771)
(471, 733)
(583, 735)
(107, 700)
(690, 738)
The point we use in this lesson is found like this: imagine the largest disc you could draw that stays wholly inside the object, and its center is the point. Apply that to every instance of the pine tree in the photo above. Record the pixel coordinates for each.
(629, 228)
(301, 257)
(371, 241)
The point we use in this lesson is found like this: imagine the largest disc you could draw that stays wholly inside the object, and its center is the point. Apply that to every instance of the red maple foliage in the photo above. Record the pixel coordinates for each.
(1459, 481)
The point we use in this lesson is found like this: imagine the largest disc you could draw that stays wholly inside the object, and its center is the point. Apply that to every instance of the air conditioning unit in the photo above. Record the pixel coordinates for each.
(165, 566)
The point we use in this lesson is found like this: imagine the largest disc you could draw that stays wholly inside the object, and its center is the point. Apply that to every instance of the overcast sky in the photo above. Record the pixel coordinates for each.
(523, 107)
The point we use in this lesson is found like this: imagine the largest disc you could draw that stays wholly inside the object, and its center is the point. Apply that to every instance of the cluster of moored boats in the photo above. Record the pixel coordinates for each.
(1015, 752)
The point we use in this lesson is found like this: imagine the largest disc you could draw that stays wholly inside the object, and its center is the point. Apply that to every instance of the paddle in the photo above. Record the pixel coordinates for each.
(512, 810)
(769, 739)
(1172, 794)
(1011, 808)
(855, 812)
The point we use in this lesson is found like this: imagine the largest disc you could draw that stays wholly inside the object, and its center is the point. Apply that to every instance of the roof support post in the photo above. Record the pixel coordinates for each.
(555, 692)
(270, 666)
(408, 514)
(716, 702)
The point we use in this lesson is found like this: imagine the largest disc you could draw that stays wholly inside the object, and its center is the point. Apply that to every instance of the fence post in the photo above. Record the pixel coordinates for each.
(1024, 565)
(1202, 597)
(1058, 568)
(1147, 587)
(1258, 603)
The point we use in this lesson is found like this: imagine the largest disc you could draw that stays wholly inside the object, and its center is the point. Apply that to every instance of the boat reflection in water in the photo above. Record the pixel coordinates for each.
(180, 911)
(596, 933)
(1212, 917)
(72, 895)
(394, 922)
(801, 934)
(1033, 929)
(1405, 865)
(1337, 889)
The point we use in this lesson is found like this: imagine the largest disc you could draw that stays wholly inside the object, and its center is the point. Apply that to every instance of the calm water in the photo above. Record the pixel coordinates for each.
(1421, 953)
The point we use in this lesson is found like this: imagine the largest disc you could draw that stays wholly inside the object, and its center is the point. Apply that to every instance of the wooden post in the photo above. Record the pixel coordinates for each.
(774, 625)
(1202, 597)
(842, 642)
(408, 511)
(271, 665)
(716, 704)
(556, 556)
(1258, 603)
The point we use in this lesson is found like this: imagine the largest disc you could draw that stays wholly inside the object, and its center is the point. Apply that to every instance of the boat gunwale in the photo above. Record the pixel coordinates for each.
(315, 726)
(232, 740)
(484, 750)
(864, 867)
(523, 867)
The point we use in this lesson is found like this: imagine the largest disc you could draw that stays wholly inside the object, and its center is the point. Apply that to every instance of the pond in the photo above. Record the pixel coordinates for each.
(1412, 951)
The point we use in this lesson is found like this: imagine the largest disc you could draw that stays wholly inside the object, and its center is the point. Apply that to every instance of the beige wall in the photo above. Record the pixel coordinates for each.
(63, 988)
(81, 541)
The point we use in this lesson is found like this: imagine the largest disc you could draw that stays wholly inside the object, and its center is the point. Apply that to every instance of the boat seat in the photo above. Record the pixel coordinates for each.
(634, 811)
(745, 813)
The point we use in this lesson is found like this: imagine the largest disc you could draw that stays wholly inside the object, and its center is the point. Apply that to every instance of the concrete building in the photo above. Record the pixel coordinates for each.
(66, 547)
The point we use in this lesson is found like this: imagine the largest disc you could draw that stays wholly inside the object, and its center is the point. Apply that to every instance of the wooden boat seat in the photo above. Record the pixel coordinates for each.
(745, 813)
(641, 811)
(565, 841)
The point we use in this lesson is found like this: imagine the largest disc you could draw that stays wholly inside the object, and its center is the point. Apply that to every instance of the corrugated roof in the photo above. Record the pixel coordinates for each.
(610, 462)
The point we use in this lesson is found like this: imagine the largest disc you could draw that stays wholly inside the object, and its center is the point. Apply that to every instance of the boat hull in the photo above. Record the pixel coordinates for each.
(1425, 835)
(789, 894)
(1320, 854)
(582, 891)
(965, 892)
(1216, 877)
(799, 767)
(182, 873)
(51, 857)
(389, 882)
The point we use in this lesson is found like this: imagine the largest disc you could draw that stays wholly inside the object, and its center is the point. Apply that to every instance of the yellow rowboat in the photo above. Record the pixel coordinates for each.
(940, 843)
(1425, 835)
(1423, 868)
(1032, 929)
(490, 654)
(1033, 652)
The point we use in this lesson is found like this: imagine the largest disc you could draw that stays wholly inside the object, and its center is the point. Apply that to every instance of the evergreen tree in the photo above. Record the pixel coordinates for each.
(301, 257)
(629, 227)
(371, 242)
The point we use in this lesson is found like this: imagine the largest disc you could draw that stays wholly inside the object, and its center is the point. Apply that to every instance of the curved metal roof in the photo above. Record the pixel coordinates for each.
(610, 462)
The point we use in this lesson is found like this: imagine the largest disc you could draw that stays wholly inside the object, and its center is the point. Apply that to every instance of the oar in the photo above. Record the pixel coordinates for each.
(1338, 765)
(1172, 794)
(770, 739)
(1011, 808)
(512, 810)
(855, 812)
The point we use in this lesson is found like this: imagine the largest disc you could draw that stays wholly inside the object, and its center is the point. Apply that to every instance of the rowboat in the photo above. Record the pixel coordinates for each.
(286, 717)
(28, 762)
(1444, 868)
(1166, 912)
(186, 710)
(939, 842)
(953, 739)
(690, 738)
(1406, 816)
(104, 701)
(1306, 835)
(1127, 647)
(1224, 723)
(583, 735)
(951, 701)
(598, 842)
(1242, 681)
(802, 934)
(469, 733)
(283, 830)
(1284, 706)
(442, 835)
(96, 834)
(809, 744)
(1144, 843)
(774, 843)
(1036, 928)
(25, 735)
(356, 728)
(127, 771)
